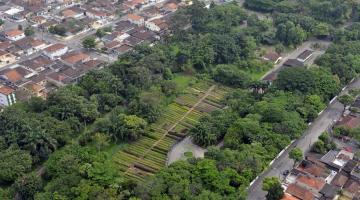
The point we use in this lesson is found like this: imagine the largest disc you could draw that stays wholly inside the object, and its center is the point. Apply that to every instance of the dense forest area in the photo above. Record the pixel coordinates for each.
(54, 148)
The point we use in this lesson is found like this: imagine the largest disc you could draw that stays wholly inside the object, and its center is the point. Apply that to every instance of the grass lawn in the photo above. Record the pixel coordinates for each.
(183, 80)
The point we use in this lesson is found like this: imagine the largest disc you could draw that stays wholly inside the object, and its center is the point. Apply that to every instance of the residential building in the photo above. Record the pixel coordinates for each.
(6, 57)
(156, 25)
(305, 55)
(272, 57)
(55, 50)
(136, 19)
(170, 7)
(73, 58)
(7, 96)
(14, 35)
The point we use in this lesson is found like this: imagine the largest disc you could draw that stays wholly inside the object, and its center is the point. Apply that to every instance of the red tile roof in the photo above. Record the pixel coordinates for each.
(55, 47)
(311, 182)
(6, 90)
(14, 32)
(299, 192)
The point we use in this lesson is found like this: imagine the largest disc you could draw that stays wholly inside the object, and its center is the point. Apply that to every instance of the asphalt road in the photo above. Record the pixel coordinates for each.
(325, 120)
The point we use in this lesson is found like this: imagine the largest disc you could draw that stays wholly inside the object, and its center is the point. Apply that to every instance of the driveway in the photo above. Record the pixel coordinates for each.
(325, 120)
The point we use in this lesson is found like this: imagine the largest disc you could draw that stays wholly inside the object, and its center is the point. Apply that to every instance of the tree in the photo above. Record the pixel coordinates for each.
(275, 193)
(89, 43)
(58, 30)
(29, 31)
(296, 79)
(101, 140)
(13, 164)
(346, 100)
(28, 185)
(273, 186)
(100, 33)
(296, 155)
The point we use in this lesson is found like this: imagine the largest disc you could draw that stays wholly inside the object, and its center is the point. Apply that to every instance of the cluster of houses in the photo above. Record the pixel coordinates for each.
(54, 67)
(30, 66)
(334, 175)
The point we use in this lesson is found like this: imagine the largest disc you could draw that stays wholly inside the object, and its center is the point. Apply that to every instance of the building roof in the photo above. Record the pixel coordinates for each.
(123, 48)
(288, 197)
(299, 192)
(37, 62)
(6, 90)
(311, 182)
(349, 122)
(74, 58)
(54, 47)
(329, 156)
(68, 13)
(352, 186)
(271, 56)
(16, 74)
(339, 180)
(171, 6)
(305, 54)
(329, 191)
(293, 63)
(313, 169)
(134, 17)
(14, 32)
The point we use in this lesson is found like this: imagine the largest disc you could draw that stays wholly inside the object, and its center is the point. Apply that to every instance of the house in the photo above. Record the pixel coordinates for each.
(7, 96)
(352, 189)
(132, 41)
(14, 35)
(329, 192)
(135, 19)
(156, 25)
(95, 14)
(310, 183)
(349, 122)
(6, 57)
(38, 20)
(16, 74)
(55, 50)
(37, 64)
(170, 7)
(59, 79)
(124, 26)
(299, 192)
(288, 197)
(293, 63)
(73, 58)
(133, 4)
(121, 49)
(144, 35)
(30, 45)
(272, 57)
(339, 180)
(305, 55)
(35, 89)
(73, 12)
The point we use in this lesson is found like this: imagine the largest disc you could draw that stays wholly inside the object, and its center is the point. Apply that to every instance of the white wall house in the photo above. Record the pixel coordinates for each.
(55, 50)
(7, 96)
(14, 35)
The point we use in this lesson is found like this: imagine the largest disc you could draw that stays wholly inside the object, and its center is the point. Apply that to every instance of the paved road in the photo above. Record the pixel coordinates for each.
(322, 123)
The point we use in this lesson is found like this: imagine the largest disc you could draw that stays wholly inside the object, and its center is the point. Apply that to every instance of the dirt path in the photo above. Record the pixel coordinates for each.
(207, 93)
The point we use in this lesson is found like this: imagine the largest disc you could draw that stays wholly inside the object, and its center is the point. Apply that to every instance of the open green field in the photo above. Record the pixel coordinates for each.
(148, 155)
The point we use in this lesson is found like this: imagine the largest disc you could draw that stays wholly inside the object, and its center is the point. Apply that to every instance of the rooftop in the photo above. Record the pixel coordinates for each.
(74, 58)
(305, 54)
(55, 47)
(311, 182)
(134, 17)
(6, 90)
(299, 192)
(13, 33)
